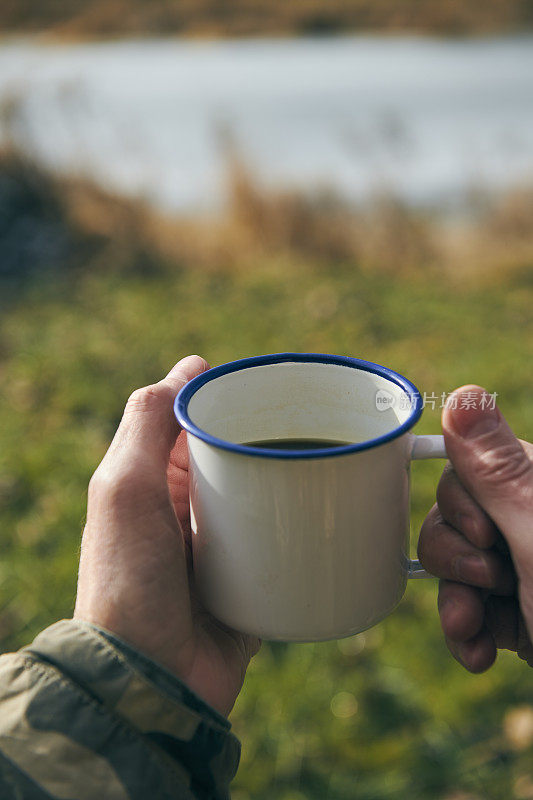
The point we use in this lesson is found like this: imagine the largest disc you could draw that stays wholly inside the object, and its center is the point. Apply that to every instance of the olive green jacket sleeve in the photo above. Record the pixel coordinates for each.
(84, 716)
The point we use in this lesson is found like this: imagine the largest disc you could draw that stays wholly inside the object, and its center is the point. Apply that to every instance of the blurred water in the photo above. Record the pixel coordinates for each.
(427, 118)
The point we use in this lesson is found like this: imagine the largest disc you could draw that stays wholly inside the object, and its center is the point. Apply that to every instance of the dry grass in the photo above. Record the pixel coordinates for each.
(263, 17)
(384, 235)
(49, 224)
(497, 242)
(72, 224)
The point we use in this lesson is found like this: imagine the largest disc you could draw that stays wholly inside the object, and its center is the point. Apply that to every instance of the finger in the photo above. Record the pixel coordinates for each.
(524, 648)
(492, 464)
(506, 624)
(177, 477)
(476, 655)
(446, 553)
(148, 429)
(179, 457)
(461, 611)
(460, 510)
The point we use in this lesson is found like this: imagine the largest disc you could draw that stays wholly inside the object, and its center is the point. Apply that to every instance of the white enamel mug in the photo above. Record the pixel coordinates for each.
(302, 545)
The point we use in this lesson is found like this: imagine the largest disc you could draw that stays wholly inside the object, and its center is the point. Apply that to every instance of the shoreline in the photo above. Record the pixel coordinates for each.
(55, 39)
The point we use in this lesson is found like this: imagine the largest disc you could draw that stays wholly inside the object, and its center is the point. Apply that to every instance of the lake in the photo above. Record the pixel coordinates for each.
(426, 118)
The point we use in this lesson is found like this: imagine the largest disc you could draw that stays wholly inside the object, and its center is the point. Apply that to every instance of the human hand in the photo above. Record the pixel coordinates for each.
(478, 538)
(135, 564)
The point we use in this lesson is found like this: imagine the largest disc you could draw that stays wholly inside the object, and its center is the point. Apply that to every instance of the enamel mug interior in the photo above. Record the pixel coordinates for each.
(299, 545)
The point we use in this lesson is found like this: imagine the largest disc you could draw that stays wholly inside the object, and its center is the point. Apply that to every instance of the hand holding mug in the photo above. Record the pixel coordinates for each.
(478, 538)
(301, 545)
(134, 575)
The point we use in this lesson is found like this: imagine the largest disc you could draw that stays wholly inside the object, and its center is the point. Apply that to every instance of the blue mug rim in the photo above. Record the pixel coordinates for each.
(183, 398)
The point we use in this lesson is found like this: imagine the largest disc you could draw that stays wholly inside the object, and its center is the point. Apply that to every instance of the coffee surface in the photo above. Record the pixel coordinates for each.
(297, 444)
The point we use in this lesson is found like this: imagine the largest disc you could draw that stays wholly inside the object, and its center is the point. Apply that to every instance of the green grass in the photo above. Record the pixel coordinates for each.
(411, 723)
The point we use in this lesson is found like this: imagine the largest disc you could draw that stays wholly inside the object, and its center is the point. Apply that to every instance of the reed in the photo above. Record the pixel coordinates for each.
(90, 18)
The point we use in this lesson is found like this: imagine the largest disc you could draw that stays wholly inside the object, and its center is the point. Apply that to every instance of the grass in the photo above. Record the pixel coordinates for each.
(381, 716)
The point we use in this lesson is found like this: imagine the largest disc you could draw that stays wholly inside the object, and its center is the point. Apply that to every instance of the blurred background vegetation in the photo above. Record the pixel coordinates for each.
(100, 294)
(263, 17)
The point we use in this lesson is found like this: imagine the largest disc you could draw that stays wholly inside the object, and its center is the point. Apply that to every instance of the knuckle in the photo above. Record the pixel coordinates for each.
(428, 534)
(448, 474)
(143, 399)
(448, 485)
(112, 487)
(445, 586)
(443, 496)
(97, 484)
(506, 466)
(423, 548)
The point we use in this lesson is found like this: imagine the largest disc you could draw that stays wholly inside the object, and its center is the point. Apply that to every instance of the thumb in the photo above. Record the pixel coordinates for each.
(148, 427)
(491, 463)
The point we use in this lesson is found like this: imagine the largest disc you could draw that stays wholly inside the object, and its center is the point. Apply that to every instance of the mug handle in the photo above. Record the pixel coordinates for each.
(425, 447)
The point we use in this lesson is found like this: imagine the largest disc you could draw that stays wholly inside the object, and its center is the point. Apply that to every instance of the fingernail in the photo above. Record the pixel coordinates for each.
(472, 412)
(471, 569)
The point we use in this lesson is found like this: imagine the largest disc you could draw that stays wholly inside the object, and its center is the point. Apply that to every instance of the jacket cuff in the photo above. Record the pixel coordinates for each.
(150, 698)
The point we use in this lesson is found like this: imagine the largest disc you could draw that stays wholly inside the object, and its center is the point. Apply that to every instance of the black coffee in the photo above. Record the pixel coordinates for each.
(297, 444)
